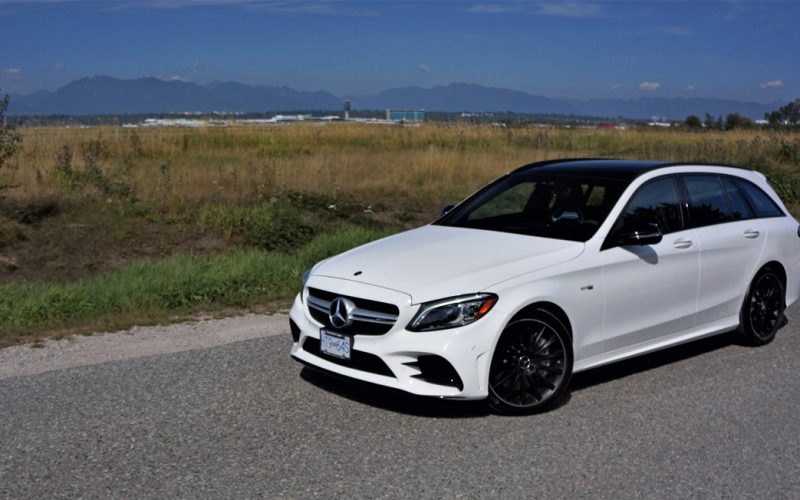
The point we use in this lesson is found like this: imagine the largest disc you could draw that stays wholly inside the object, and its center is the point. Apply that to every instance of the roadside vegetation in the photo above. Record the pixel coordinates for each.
(109, 226)
(174, 287)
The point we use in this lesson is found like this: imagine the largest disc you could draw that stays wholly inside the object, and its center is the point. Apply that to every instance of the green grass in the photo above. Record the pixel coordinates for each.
(178, 284)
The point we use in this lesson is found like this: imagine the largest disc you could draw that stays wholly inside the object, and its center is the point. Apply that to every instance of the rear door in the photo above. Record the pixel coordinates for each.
(731, 241)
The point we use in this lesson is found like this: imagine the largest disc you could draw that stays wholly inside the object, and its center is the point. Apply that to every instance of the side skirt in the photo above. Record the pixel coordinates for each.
(707, 330)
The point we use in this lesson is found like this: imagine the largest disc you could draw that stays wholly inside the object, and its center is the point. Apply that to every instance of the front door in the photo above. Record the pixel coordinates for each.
(650, 290)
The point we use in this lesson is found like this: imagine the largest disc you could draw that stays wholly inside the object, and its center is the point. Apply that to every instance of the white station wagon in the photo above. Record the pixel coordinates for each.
(555, 268)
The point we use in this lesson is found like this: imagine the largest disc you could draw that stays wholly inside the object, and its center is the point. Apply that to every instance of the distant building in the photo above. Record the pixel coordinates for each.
(409, 116)
(174, 122)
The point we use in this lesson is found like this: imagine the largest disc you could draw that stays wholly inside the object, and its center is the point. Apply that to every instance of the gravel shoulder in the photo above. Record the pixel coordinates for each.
(137, 342)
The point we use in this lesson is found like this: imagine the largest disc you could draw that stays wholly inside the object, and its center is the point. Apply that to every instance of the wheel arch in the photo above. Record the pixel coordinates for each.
(522, 309)
(549, 308)
(769, 265)
(748, 334)
(538, 307)
(778, 268)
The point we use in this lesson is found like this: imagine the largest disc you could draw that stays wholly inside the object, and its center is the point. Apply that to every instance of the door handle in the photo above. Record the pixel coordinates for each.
(682, 243)
(751, 233)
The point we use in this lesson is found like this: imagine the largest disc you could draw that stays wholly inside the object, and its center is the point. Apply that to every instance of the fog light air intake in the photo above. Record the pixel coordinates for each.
(437, 370)
(295, 330)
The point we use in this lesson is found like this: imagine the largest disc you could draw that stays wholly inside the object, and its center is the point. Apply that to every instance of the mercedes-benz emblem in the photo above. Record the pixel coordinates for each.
(340, 311)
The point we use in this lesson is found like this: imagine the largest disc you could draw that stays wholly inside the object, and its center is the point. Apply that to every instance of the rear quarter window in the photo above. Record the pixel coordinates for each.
(762, 204)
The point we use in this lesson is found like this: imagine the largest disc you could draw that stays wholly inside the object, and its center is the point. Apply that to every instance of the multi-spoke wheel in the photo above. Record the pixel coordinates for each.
(532, 365)
(762, 311)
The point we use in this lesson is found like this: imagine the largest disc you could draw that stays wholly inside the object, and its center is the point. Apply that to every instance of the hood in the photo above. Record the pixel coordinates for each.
(434, 262)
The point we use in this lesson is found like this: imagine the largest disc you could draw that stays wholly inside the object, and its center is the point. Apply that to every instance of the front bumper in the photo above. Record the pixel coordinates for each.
(466, 349)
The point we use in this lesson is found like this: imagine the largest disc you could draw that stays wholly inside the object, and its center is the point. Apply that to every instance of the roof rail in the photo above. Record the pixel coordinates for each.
(703, 164)
(545, 163)
(656, 165)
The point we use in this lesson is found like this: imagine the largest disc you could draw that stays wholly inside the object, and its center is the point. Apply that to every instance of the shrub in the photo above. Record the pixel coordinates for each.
(269, 225)
(10, 231)
(786, 184)
(10, 138)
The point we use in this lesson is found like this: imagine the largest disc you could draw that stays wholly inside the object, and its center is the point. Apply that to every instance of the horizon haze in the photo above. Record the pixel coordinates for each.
(104, 95)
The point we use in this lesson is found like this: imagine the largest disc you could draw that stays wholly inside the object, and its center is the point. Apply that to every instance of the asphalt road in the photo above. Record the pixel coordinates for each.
(711, 419)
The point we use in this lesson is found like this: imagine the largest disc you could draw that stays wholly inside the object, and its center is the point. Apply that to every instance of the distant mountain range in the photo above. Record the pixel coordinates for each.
(458, 97)
(103, 95)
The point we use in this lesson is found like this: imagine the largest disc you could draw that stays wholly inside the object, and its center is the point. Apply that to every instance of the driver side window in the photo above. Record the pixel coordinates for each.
(510, 202)
(656, 202)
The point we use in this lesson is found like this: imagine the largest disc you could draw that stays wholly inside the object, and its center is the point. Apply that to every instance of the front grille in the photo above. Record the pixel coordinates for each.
(369, 318)
(359, 360)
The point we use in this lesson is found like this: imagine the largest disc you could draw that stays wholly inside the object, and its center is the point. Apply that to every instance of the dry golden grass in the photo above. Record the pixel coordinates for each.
(432, 162)
(107, 224)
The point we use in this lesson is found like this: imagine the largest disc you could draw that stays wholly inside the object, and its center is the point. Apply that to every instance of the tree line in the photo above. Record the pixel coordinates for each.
(10, 138)
(785, 117)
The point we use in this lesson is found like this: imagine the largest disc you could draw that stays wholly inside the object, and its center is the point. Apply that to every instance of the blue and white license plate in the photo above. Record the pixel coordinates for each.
(335, 344)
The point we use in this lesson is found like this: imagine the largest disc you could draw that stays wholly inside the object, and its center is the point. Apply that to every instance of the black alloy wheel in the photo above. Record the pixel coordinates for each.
(762, 311)
(532, 365)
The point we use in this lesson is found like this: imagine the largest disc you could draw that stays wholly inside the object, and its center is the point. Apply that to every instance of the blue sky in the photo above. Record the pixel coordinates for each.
(616, 49)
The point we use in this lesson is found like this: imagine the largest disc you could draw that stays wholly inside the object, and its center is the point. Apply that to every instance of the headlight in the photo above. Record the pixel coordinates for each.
(303, 281)
(452, 312)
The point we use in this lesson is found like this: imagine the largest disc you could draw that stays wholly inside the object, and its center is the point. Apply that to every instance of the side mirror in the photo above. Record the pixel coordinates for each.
(639, 233)
(445, 209)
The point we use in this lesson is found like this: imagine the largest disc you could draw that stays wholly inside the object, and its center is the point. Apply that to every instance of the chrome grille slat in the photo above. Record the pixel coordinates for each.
(373, 316)
(319, 304)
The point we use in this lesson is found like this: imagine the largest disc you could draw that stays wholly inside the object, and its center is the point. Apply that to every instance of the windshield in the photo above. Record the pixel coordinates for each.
(566, 207)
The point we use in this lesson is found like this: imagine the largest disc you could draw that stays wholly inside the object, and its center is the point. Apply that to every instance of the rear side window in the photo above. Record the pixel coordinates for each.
(657, 203)
(762, 204)
(708, 204)
(739, 207)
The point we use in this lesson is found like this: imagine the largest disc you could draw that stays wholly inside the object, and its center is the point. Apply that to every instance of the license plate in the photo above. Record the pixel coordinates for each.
(335, 344)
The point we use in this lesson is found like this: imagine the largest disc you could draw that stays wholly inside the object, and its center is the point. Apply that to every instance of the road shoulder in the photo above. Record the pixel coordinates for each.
(137, 342)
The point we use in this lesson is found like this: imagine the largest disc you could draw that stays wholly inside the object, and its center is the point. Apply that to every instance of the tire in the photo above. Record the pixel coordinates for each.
(531, 366)
(763, 308)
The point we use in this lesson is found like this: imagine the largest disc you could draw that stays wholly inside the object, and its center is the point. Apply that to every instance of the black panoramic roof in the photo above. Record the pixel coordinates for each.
(593, 167)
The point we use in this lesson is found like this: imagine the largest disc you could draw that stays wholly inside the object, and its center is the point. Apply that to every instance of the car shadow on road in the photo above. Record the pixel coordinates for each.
(401, 402)
(622, 369)
(392, 399)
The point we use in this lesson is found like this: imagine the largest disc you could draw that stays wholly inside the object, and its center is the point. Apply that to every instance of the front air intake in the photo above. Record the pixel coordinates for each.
(295, 330)
(359, 360)
(436, 370)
